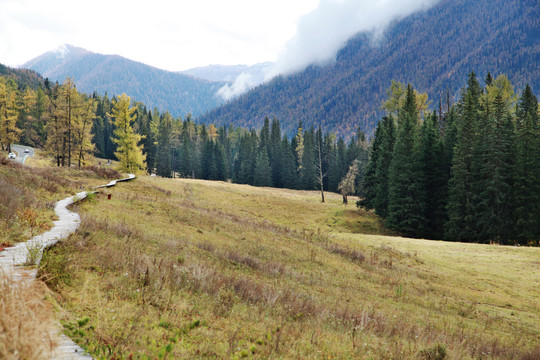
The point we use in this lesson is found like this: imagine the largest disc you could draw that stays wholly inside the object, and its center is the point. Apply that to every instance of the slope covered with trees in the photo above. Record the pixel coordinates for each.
(433, 50)
(178, 93)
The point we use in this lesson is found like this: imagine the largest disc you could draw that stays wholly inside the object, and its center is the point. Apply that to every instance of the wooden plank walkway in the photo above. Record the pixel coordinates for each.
(11, 259)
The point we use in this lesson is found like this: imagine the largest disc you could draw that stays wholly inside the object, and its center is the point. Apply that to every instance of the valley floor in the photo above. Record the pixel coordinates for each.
(196, 269)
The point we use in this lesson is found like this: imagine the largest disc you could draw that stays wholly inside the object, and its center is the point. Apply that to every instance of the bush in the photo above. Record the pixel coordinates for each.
(437, 352)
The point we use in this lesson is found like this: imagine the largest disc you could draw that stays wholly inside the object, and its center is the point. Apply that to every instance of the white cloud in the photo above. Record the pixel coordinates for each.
(241, 84)
(325, 30)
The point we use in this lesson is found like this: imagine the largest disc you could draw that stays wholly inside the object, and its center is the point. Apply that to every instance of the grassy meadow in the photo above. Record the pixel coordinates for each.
(186, 269)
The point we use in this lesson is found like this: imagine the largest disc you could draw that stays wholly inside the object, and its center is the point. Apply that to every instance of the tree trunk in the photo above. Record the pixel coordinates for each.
(345, 201)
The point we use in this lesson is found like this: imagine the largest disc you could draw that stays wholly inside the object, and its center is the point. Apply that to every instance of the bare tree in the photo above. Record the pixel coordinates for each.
(320, 173)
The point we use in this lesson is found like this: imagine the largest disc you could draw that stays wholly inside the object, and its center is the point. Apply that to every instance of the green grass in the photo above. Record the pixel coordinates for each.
(171, 268)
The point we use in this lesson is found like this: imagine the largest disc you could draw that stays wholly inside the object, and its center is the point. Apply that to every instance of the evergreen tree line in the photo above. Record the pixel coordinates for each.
(180, 147)
(72, 126)
(467, 172)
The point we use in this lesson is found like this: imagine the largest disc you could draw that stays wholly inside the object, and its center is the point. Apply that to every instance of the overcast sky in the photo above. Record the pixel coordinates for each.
(172, 35)
(181, 34)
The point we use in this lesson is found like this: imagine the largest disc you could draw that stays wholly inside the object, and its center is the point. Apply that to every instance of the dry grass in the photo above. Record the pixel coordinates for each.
(197, 269)
(25, 321)
(28, 195)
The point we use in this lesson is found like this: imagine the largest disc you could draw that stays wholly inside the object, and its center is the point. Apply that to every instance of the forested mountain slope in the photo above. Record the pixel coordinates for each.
(434, 50)
(22, 77)
(178, 93)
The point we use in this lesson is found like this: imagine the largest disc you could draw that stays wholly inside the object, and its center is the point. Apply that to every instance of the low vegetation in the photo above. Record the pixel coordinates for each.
(25, 321)
(169, 268)
(28, 197)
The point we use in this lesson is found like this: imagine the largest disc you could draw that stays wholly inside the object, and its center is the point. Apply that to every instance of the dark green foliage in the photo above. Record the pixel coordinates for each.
(275, 153)
(434, 179)
(461, 223)
(308, 161)
(263, 172)
(526, 184)
(405, 212)
(288, 176)
(163, 158)
(471, 170)
(383, 161)
(369, 183)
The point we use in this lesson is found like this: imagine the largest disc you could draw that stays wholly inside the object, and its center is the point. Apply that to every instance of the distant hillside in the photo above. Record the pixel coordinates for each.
(229, 72)
(23, 77)
(178, 93)
(434, 50)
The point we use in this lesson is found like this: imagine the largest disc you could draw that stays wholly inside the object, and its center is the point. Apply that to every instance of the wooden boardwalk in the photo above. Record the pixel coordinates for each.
(11, 259)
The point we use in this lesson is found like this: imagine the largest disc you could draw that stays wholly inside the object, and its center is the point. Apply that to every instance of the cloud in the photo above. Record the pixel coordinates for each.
(321, 33)
(325, 30)
(241, 84)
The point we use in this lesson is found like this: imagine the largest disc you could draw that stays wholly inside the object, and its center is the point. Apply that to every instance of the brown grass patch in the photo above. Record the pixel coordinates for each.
(25, 321)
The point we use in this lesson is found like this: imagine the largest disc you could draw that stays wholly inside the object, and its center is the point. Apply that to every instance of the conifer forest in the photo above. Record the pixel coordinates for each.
(465, 170)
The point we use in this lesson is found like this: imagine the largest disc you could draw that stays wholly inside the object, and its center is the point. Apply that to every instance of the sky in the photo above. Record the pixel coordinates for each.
(171, 35)
(182, 34)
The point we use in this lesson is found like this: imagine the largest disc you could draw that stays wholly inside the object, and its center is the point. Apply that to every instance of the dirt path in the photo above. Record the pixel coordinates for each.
(12, 257)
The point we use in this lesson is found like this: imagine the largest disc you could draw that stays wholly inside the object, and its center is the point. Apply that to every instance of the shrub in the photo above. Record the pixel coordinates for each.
(437, 352)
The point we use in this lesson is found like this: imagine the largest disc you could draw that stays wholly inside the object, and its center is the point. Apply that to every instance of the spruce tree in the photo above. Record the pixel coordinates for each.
(263, 172)
(461, 223)
(383, 161)
(275, 154)
(308, 161)
(495, 213)
(289, 176)
(404, 205)
(163, 159)
(433, 187)
(369, 183)
(526, 186)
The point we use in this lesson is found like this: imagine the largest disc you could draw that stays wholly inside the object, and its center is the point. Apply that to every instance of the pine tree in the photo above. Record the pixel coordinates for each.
(208, 162)
(526, 186)
(308, 161)
(275, 154)
(163, 158)
(495, 211)
(289, 176)
(382, 166)
(461, 223)
(433, 187)
(369, 183)
(129, 153)
(404, 206)
(263, 172)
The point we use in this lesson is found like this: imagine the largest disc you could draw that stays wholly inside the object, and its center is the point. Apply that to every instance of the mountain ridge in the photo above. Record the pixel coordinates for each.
(177, 93)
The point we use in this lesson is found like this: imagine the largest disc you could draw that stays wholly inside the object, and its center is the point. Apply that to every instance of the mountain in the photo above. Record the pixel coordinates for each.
(178, 93)
(229, 73)
(434, 50)
(23, 77)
